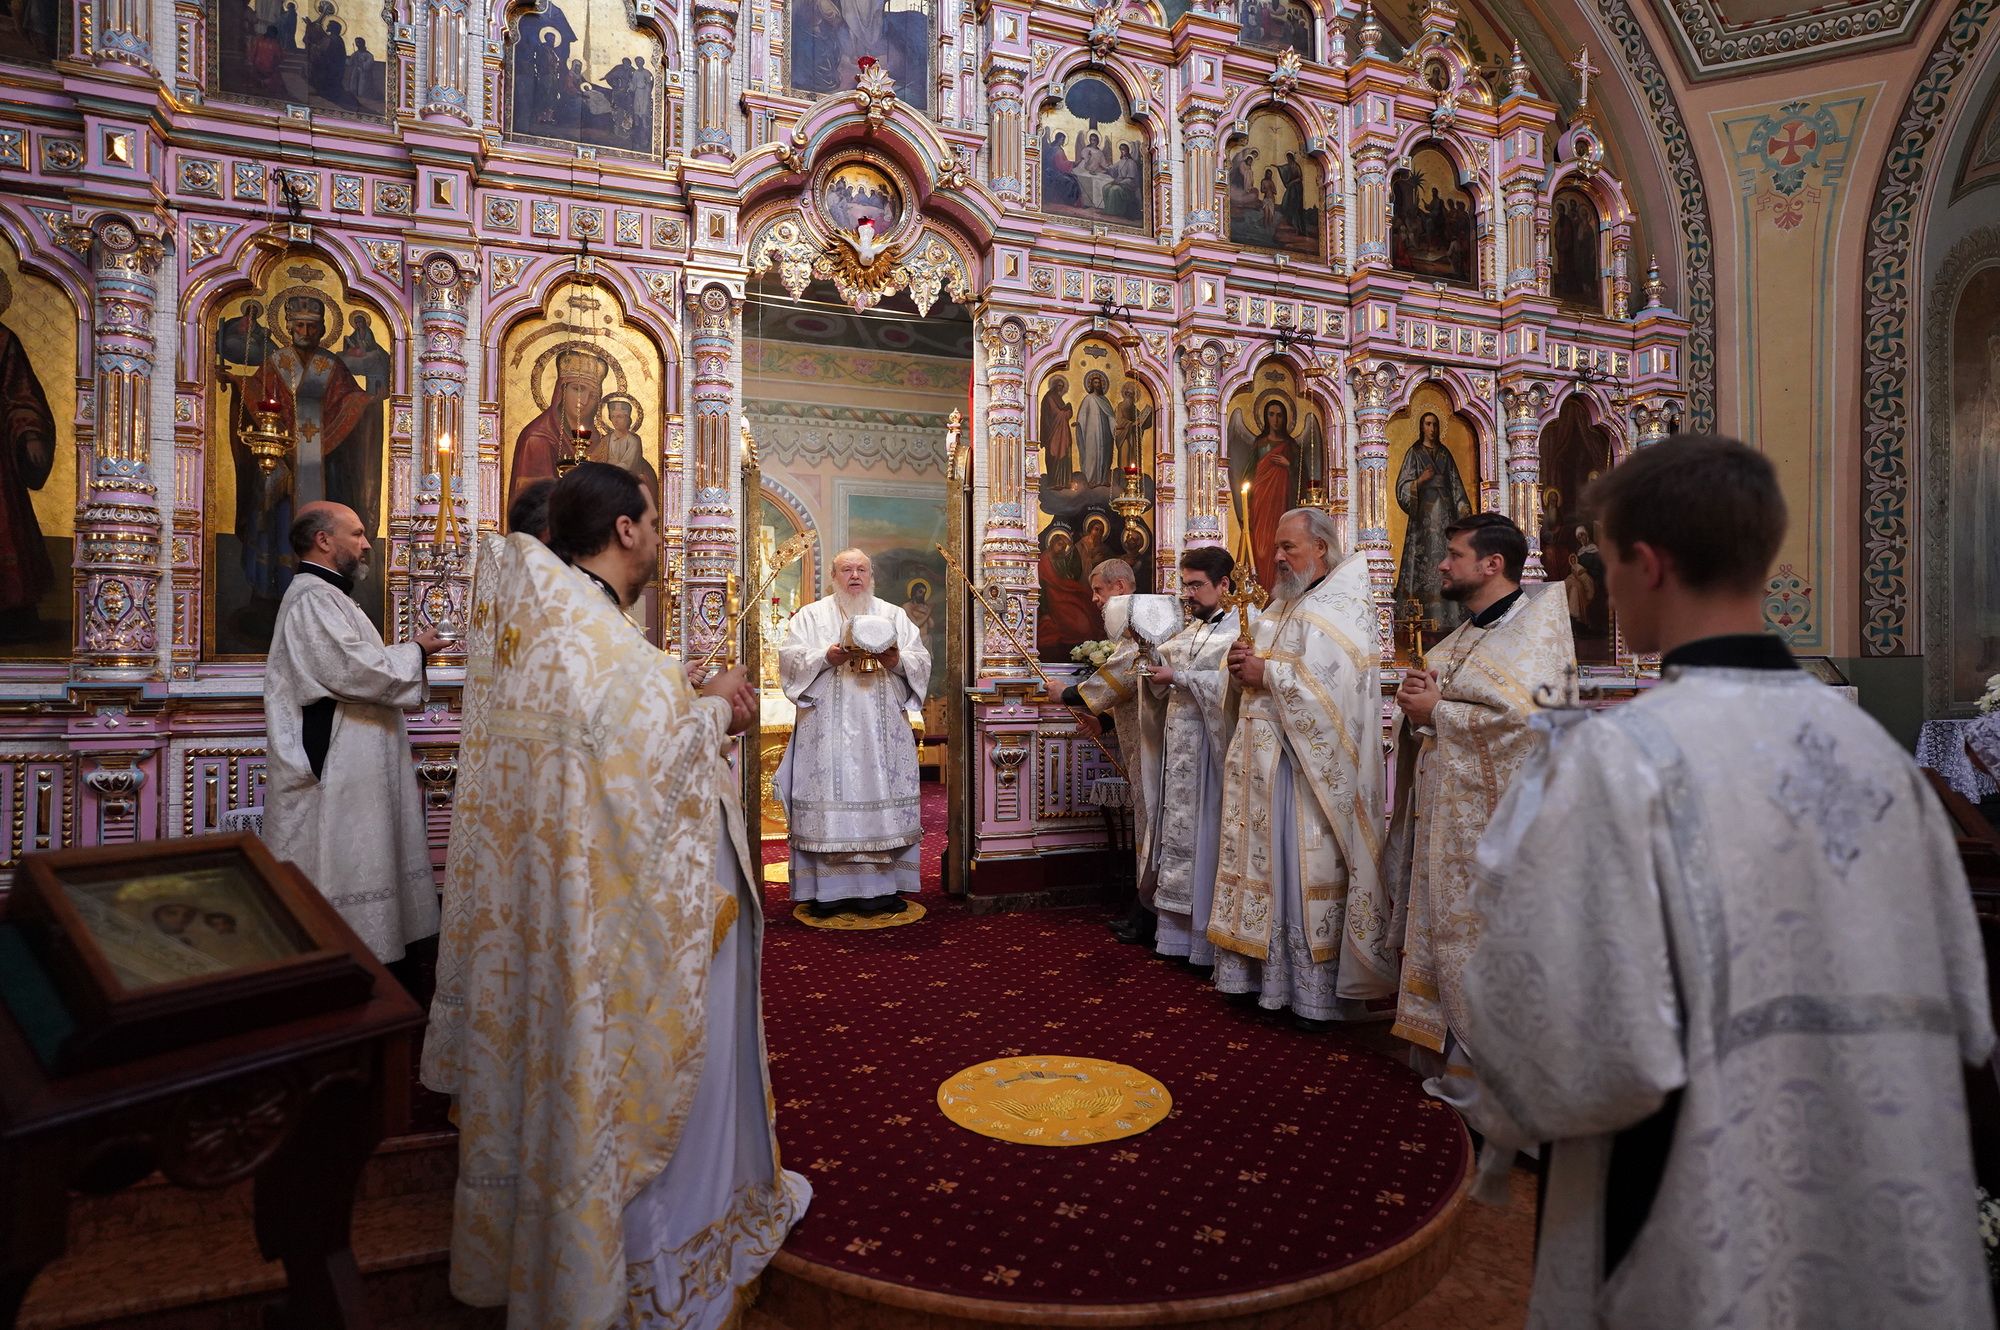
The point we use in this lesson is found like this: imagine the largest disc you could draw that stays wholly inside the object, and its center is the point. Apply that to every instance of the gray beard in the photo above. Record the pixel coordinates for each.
(1290, 586)
(850, 605)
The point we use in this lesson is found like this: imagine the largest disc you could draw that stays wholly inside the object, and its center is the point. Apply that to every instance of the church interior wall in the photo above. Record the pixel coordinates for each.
(205, 170)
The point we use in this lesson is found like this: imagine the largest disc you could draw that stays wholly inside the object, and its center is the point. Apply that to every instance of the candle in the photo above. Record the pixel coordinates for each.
(1243, 527)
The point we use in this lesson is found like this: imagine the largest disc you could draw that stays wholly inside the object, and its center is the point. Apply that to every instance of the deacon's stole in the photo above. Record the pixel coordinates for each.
(1447, 785)
(1321, 706)
(1180, 728)
(584, 902)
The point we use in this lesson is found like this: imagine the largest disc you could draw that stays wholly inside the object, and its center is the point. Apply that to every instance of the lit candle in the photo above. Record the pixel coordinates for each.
(1243, 527)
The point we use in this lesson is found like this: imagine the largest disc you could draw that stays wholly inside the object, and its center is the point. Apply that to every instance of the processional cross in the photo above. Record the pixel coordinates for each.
(1584, 69)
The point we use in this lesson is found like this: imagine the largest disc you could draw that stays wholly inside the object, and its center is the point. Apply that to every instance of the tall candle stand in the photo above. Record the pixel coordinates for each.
(447, 537)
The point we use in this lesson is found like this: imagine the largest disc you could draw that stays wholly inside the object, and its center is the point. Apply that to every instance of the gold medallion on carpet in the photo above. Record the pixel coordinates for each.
(1054, 1100)
(909, 914)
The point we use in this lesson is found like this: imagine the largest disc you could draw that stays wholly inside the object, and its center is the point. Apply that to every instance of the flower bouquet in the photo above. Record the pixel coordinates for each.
(1093, 654)
(1990, 699)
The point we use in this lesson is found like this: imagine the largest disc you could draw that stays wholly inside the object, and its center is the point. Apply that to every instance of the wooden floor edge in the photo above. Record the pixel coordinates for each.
(1220, 1307)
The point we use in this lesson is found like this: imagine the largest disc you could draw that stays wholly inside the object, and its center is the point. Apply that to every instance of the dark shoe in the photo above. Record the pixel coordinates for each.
(1311, 1026)
(1198, 971)
(884, 905)
(828, 909)
(1242, 999)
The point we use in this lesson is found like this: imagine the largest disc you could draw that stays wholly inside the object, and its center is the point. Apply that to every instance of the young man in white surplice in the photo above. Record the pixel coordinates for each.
(849, 778)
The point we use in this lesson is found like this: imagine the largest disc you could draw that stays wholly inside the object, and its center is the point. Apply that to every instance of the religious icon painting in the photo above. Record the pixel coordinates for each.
(1095, 164)
(1576, 450)
(1573, 251)
(1274, 187)
(1432, 231)
(899, 528)
(37, 464)
(831, 39)
(1277, 443)
(326, 55)
(579, 72)
(1434, 481)
(1974, 633)
(29, 31)
(859, 194)
(1277, 25)
(1096, 426)
(300, 372)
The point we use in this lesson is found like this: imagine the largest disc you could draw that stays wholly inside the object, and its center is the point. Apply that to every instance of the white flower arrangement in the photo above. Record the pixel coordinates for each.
(1990, 699)
(1989, 1233)
(1093, 654)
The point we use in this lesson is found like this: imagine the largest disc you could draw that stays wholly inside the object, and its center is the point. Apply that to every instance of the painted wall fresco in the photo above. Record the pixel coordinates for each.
(323, 54)
(1094, 160)
(1277, 442)
(1277, 25)
(37, 463)
(580, 73)
(1434, 481)
(1575, 450)
(1095, 422)
(29, 30)
(1274, 187)
(829, 39)
(304, 347)
(1981, 162)
(1574, 263)
(1975, 488)
(1432, 231)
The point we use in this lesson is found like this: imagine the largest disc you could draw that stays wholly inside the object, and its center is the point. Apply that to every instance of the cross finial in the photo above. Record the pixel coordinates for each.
(1584, 69)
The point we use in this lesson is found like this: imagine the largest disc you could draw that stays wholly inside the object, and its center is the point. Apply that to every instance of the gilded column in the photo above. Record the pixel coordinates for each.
(714, 49)
(1207, 479)
(441, 535)
(711, 529)
(1007, 548)
(1522, 191)
(1005, 154)
(1621, 273)
(1523, 404)
(1198, 138)
(1371, 206)
(123, 32)
(118, 525)
(444, 73)
(1371, 386)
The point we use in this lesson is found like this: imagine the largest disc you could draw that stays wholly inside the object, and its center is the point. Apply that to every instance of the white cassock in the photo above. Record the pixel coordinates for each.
(357, 829)
(597, 1016)
(849, 776)
(1729, 964)
(1185, 729)
(1301, 917)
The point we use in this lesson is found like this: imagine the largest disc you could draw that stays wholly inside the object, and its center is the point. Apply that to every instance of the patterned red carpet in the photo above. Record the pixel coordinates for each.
(1287, 1155)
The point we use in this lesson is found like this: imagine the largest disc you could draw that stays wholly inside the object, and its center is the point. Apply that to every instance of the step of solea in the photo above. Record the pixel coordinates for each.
(167, 1258)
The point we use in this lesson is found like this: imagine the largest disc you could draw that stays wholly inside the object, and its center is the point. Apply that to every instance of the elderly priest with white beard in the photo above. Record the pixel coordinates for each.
(1301, 919)
(856, 667)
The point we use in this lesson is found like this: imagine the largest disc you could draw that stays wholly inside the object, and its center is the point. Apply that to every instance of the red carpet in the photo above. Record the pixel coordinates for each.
(1287, 1155)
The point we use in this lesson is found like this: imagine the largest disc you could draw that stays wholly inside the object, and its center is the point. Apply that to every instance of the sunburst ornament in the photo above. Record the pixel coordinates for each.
(1053, 1100)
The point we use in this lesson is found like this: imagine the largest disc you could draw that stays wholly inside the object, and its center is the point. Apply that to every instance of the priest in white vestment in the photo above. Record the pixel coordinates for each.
(341, 798)
(597, 1017)
(849, 779)
(1461, 732)
(1301, 916)
(1728, 964)
(1185, 729)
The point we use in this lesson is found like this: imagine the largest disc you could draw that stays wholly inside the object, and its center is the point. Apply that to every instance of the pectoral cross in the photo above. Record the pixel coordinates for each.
(1584, 69)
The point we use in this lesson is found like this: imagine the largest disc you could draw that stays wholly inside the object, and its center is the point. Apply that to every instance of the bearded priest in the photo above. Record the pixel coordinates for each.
(1182, 720)
(1461, 733)
(597, 1016)
(856, 667)
(1301, 917)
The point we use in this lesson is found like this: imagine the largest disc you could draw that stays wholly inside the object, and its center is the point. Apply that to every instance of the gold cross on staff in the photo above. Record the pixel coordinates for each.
(1249, 596)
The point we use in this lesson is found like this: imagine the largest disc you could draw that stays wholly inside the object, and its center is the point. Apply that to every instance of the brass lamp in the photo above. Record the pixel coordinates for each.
(1131, 501)
(579, 451)
(267, 438)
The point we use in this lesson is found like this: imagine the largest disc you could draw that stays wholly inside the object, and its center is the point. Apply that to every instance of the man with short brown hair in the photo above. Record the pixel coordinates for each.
(1728, 963)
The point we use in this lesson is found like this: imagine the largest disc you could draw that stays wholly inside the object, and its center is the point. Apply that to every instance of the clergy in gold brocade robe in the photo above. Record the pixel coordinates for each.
(1301, 916)
(597, 1014)
(1450, 774)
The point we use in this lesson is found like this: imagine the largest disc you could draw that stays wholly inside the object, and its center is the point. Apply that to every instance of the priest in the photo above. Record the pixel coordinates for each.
(597, 1016)
(1461, 732)
(1301, 917)
(849, 777)
(341, 798)
(1184, 727)
(1110, 692)
(1728, 963)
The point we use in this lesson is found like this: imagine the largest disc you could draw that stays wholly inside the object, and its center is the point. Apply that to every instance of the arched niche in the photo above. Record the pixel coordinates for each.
(1433, 218)
(1096, 157)
(582, 72)
(826, 42)
(1574, 450)
(1273, 187)
(1277, 25)
(38, 463)
(1434, 479)
(1276, 439)
(327, 55)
